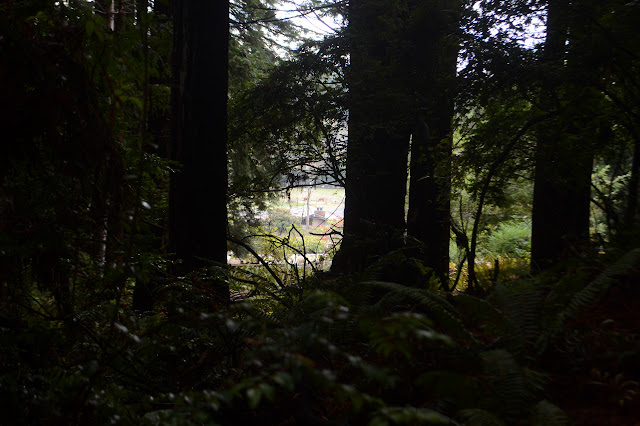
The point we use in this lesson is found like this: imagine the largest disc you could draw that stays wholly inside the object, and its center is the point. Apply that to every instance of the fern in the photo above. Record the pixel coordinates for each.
(485, 315)
(522, 304)
(328, 313)
(399, 332)
(509, 382)
(436, 307)
(588, 295)
(478, 417)
(409, 416)
(547, 414)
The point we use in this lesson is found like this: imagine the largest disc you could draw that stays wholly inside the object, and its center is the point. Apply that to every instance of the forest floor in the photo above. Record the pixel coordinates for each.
(598, 383)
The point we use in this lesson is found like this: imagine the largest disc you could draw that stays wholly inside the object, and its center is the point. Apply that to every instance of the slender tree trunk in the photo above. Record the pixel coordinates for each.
(143, 289)
(159, 113)
(378, 137)
(109, 198)
(198, 212)
(432, 58)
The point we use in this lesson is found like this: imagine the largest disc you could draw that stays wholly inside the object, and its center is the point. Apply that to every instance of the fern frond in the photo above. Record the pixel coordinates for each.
(328, 313)
(435, 306)
(629, 264)
(608, 278)
(409, 416)
(521, 303)
(547, 414)
(483, 314)
(478, 417)
(508, 381)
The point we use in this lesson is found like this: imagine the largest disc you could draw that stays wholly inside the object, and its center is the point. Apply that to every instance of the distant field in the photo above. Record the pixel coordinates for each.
(329, 199)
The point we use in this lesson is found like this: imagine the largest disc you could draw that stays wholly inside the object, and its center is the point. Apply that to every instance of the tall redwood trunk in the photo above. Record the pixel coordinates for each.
(565, 150)
(432, 59)
(561, 199)
(378, 138)
(198, 212)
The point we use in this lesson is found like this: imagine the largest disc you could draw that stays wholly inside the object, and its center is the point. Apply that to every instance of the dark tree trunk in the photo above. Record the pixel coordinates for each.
(120, 11)
(432, 59)
(143, 289)
(561, 200)
(565, 149)
(158, 130)
(163, 7)
(378, 138)
(198, 212)
(159, 115)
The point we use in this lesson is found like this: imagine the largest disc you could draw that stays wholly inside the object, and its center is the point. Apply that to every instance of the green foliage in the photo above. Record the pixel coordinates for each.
(390, 295)
(83, 212)
(479, 417)
(511, 381)
(409, 416)
(280, 221)
(567, 299)
(509, 239)
(546, 413)
(398, 334)
(609, 194)
(360, 352)
(288, 130)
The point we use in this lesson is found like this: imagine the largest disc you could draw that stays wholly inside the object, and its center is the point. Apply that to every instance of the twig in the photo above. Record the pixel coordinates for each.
(259, 258)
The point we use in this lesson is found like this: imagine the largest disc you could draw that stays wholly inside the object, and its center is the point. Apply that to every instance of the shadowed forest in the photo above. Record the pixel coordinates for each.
(320, 212)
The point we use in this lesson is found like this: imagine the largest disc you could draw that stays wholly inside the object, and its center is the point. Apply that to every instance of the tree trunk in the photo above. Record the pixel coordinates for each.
(561, 199)
(198, 195)
(378, 137)
(161, 7)
(432, 58)
(565, 150)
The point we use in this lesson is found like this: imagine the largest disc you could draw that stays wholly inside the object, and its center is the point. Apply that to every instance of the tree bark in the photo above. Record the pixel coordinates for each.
(565, 151)
(198, 194)
(433, 59)
(163, 7)
(378, 137)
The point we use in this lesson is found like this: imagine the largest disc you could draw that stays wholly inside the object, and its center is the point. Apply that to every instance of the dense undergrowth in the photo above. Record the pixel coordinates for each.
(338, 351)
